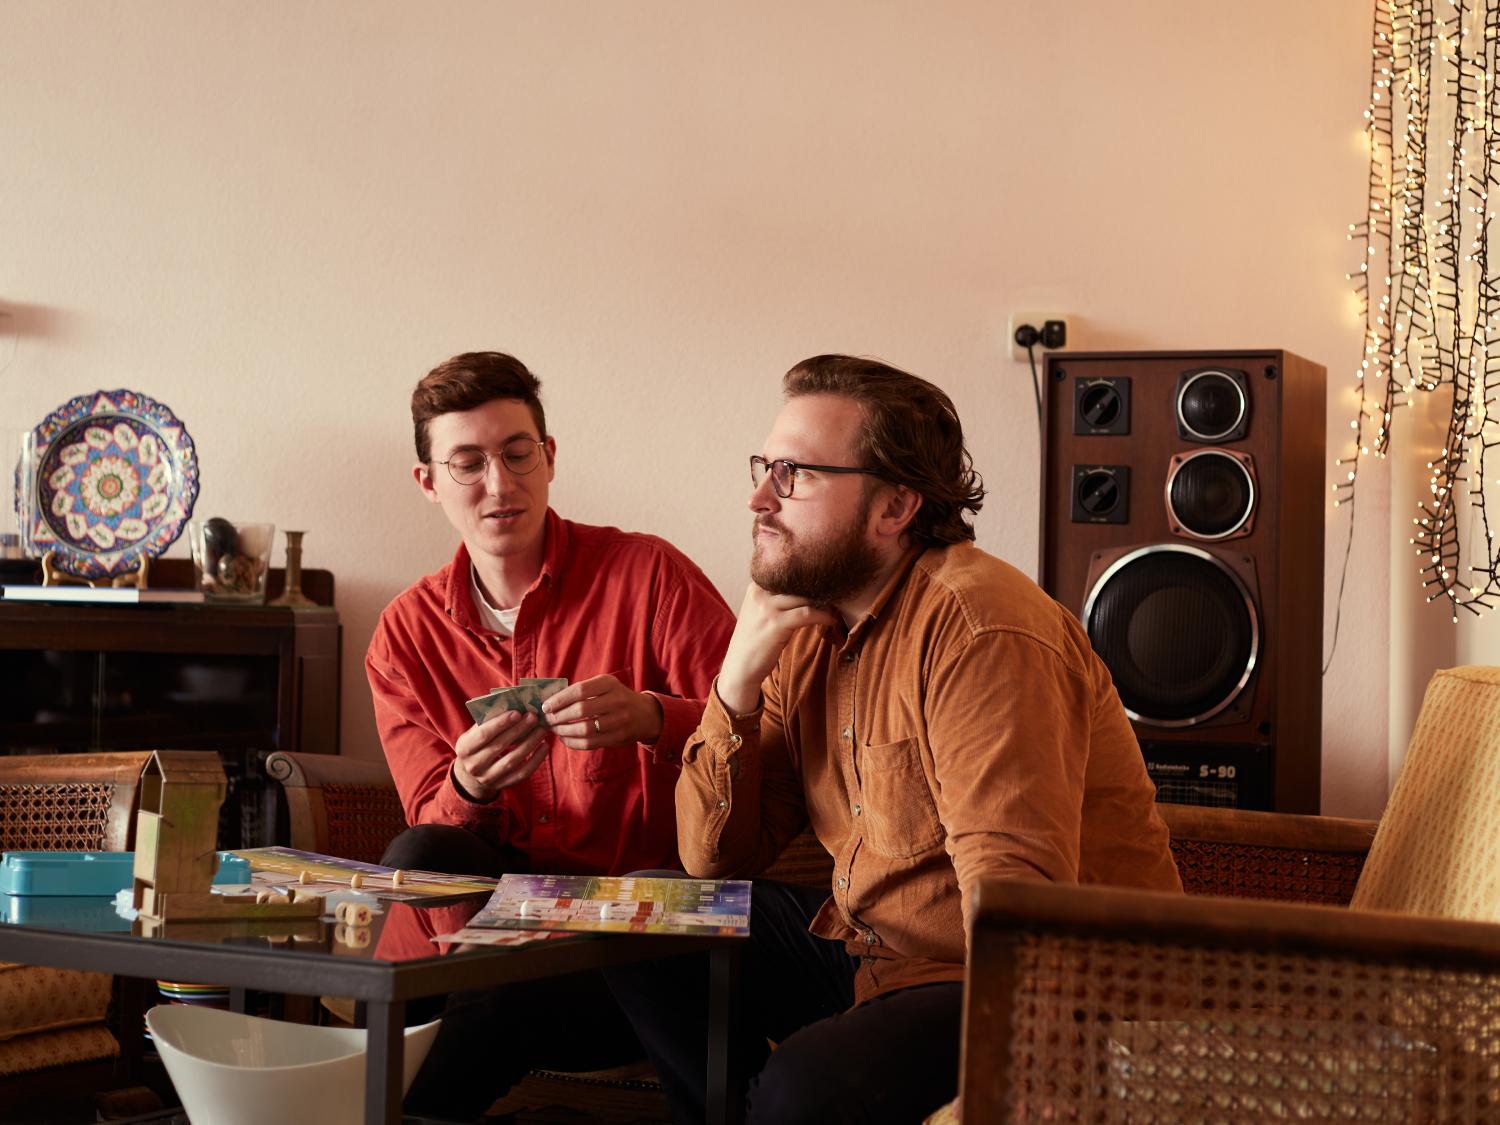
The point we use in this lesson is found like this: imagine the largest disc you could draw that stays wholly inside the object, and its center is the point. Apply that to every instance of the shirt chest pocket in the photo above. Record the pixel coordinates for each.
(895, 808)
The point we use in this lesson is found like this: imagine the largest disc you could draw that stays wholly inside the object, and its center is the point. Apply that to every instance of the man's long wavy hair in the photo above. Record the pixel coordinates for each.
(911, 435)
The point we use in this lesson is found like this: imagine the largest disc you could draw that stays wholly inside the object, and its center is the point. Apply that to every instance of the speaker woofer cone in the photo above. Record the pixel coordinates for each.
(1211, 406)
(1178, 631)
(1211, 494)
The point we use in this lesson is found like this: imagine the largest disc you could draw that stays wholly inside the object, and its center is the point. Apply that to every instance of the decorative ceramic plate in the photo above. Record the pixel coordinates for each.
(116, 477)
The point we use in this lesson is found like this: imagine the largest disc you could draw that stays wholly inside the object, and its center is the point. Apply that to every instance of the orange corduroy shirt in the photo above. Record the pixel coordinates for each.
(963, 729)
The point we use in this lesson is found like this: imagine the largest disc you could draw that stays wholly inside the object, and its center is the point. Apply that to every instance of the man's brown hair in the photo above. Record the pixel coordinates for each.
(911, 435)
(471, 380)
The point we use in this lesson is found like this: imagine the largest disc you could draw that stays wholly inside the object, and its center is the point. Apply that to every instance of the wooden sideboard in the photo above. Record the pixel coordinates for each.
(244, 681)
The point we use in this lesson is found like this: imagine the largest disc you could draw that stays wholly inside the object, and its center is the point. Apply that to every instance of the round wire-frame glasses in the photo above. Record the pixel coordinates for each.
(468, 466)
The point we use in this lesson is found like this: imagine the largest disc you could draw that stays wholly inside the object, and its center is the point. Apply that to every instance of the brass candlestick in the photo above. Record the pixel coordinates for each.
(292, 594)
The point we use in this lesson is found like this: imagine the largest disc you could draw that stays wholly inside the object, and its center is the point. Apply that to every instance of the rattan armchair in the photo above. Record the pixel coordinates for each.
(55, 1037)
(1106, 1005)
(346, 807)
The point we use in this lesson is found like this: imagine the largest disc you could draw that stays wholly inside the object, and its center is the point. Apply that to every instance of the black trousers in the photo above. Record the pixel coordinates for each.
(893, 1059)
(490, 1038)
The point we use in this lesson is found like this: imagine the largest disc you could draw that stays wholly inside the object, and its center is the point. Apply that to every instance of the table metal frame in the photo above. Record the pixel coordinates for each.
(386, 986)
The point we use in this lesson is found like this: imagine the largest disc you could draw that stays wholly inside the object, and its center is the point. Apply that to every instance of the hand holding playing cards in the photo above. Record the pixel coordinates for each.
(497, 753)
(603, 712)
(765, 626)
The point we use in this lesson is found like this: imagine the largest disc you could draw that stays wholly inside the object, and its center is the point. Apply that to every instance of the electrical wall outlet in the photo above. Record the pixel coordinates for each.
(1037, 320)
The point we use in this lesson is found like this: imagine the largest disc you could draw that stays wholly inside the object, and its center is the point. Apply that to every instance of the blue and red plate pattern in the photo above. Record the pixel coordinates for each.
(116, 481)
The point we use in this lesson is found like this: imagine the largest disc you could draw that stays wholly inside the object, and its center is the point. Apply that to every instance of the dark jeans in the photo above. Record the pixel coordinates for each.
(893, 1059)
(490, 1038)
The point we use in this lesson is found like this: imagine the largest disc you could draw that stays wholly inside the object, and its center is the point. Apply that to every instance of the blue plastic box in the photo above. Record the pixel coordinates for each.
(89, 873)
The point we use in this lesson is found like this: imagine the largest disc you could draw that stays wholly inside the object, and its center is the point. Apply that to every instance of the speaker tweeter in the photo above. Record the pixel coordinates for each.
(1213, 405)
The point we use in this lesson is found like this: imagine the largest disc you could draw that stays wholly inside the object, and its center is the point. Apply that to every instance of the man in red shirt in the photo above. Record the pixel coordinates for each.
(628, 620)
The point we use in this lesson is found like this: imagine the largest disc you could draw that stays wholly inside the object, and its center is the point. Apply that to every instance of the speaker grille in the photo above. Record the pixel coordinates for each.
(1211, 406)
(1211, 494)
(1177, 630)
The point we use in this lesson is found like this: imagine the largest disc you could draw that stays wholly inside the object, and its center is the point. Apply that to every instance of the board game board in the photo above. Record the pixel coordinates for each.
(618, 904)
(326, 873)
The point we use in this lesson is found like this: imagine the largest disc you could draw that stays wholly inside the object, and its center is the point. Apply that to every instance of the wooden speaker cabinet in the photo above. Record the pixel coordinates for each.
(1182, 520)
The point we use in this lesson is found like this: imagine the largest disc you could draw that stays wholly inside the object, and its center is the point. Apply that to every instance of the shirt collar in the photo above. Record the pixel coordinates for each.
(459, 598)
(894, 583)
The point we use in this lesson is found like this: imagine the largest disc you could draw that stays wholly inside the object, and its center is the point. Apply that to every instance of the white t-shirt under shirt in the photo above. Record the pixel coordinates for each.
(503, 621)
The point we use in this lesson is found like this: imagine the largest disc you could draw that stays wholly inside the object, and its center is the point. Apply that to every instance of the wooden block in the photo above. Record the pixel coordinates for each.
(207, 907)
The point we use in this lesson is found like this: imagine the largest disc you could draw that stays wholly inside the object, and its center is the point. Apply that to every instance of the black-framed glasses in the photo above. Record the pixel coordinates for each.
(784, 473)
(520, 456)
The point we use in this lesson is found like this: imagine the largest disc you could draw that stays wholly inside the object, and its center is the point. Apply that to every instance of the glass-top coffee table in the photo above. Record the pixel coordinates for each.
(398, 963)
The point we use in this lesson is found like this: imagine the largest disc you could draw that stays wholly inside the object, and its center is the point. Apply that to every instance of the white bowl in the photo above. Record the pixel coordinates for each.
(234, 1069)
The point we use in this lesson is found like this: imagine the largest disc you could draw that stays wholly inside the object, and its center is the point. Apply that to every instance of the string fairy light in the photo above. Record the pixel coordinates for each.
(1425, 284)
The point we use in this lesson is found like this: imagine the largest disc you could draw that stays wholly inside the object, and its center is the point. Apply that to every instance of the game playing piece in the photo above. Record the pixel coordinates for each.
(356, 881)
(398, 877)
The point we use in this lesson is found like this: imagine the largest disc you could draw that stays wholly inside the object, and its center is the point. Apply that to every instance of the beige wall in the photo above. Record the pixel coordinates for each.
(275, 217)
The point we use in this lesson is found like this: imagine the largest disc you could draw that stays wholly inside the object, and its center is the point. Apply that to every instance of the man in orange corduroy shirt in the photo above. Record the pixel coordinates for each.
(627, 618)
(930, 713)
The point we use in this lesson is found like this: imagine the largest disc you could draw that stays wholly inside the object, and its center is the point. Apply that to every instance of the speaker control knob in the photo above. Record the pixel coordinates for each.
(1098, 493)
(1099, 405)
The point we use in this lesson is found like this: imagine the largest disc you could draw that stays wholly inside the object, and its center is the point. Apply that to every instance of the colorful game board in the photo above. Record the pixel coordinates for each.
(329, 873)
(618, 905)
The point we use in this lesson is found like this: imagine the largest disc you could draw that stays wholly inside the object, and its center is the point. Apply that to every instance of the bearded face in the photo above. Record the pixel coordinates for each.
(824, 568)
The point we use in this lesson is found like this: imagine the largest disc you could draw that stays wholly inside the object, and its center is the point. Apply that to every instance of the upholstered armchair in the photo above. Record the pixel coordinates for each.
(54, 1031)
(1103, 1005)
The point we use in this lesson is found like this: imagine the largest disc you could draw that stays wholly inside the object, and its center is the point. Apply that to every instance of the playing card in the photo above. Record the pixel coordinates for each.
(528, 695)
(491, 703)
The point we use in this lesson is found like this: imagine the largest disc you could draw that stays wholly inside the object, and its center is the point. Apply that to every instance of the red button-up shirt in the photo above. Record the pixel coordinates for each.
(606, 602)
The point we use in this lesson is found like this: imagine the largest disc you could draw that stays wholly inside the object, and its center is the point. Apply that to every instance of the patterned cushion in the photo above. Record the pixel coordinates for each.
(1437, 850)
(36, 999)
(945, 1115)
(27, 1053)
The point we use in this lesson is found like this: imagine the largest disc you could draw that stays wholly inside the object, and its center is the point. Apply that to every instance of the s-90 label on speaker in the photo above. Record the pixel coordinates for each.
(1101, 493)
(1101, 406)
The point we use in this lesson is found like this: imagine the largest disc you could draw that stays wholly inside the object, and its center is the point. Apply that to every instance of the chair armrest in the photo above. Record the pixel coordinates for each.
(338, 806)
(1265, 855)
(1103, 1004)
(1268, 829)
(312, 771)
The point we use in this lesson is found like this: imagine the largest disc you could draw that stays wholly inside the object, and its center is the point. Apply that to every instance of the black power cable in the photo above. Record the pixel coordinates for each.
(1027, 336)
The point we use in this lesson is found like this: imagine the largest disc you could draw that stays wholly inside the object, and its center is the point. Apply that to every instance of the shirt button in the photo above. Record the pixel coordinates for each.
(735, 740)
(843, 882)
(849, 657)
(847, 733)
(543, 818)
(723, 804)
(857, 810)
(869, 939)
